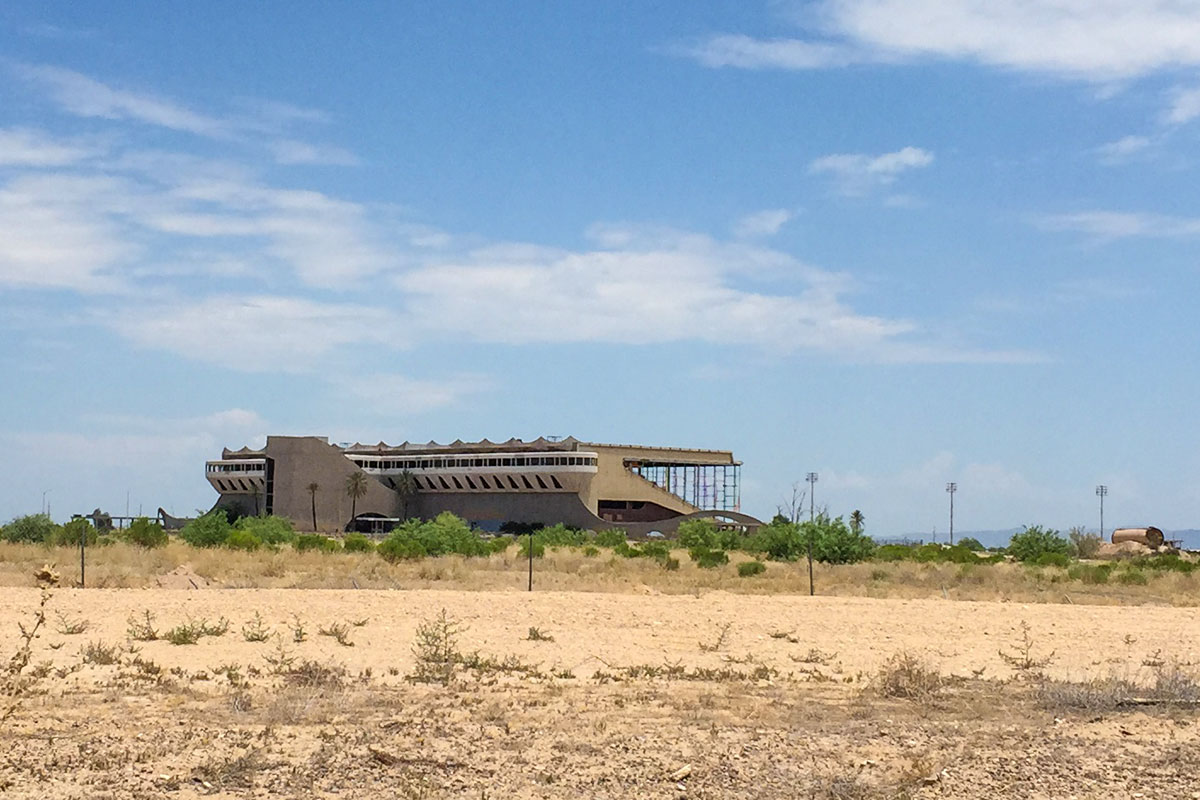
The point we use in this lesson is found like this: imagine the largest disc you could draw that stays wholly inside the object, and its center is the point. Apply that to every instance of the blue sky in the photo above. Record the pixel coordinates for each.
(898, 243)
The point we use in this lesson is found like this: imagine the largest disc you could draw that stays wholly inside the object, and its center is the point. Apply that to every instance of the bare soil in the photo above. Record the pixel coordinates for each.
(614, 695)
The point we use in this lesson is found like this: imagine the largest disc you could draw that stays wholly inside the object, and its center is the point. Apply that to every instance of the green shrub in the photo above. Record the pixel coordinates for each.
(539, 547)
(30, 528)
(781, 540)
(750, 568)
(239, 539)
(1132, 577)
(500, 544)
(444, 535)
(708, 559)
(626, 551)
(357, 543)
(944, 554)
(68, 535)
(1089, 573)
(560, 536)
(1049, 559)
(209, 530)
(1031, 543)
(656, 550)
(894, 552)
(271, 531)
(705, 533)
(609, 538)
(1167, 562)
(834, 542)
(972, 544)
(315, 541)
(590, 551)
(144, 533)
(395, 548)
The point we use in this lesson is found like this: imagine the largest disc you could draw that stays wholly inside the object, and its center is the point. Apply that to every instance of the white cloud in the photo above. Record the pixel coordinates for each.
(1185, 106)
(258, 333)
(1095, 40)
(28, 148)
(1123, 148)
(86, 97)
(1123, 225)
(290, 151)
(762, 223)
(389, 393)
(858, 173)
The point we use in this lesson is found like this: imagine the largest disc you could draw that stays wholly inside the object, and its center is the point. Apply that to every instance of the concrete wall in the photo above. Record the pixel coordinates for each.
(301, 460)
(500, 507)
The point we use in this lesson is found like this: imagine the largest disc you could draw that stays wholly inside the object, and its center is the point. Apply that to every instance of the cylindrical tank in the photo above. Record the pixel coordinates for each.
(1151, 536)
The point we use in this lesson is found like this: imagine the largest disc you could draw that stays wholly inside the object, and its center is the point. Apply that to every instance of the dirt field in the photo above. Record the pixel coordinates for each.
(615, 695)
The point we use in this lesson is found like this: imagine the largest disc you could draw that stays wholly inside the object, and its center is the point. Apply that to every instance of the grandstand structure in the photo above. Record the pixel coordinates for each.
(493, 485)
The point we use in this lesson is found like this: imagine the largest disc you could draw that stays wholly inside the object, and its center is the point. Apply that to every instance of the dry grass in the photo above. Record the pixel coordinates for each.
(566, 569)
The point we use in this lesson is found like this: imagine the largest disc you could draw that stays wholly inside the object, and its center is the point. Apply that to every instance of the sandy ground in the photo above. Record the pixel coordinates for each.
(645, 695)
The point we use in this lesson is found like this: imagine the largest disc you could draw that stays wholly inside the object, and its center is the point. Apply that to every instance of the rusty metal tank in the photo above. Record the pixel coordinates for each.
(1149, 536)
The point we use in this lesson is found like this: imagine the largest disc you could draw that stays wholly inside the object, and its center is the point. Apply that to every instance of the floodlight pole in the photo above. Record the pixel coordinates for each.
(82, 566)
(951, 488)
(1101, 491)
(531, 559)
(812, 485)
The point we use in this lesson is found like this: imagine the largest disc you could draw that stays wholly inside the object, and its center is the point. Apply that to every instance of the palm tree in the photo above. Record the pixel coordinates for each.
(356, 487)
(406, 488)
(856, 521)
(313, 488)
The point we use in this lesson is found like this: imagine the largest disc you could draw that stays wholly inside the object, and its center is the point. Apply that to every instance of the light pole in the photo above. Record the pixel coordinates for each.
(812, 486)
(951, 488)
(45, 506)
(1101, 491)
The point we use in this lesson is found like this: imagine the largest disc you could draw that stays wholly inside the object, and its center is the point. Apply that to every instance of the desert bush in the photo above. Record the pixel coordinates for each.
(208, 530)
(1132, 576)
(590, 551)
(750, 568)
(240, 539)
(539, 547)
(972, 544)
(272, 530)
(68, 534)
(500, 544)
(560, 536)
(1031, 543)
(357, 543)
(256, 630)
(944, 554)
(708, 559)
(315, 541)
(1089, 573)
(1052, 560)
(906, 676)
(398, 548)
(894, 552)
(144, 533)
(99, 653)
(141, 629)
(781, 540)
(834, 542)
(1084, 544)
(1166, 562)
(30, 528)
(436, 649)
(670, 564)
(444, 535)
(705, 533)
(609, 538)
(655, 550)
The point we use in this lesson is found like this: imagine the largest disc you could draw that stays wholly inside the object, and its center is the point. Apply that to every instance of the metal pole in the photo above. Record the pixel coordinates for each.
(1101, 491)
(812, 485)
(82, 565)
(951, 488)
(531, 560)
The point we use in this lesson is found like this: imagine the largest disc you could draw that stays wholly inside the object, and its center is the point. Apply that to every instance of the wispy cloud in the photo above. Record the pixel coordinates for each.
(392, 394)
(859, 173)
(290, 151)
(25, 147)
(87, 97)
(1122, 224)
(767, 222)
(1078, 39)
(1124, 148)
(1184, 106)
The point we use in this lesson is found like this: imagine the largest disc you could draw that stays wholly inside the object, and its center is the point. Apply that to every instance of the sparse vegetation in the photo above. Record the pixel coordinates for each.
(70, 627)
(256, 630)
(538, 635)
(1022, 658)
(436, 649)
(141, 629)
(748, 569)
(338, 631)
(906, 676)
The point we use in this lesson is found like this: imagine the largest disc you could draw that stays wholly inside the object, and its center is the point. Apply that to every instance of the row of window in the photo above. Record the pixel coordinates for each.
(497, 483)
(453, 463)
(249, 466)
(232, 485)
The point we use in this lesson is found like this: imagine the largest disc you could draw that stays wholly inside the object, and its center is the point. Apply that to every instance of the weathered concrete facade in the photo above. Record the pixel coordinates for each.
(567, 481)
